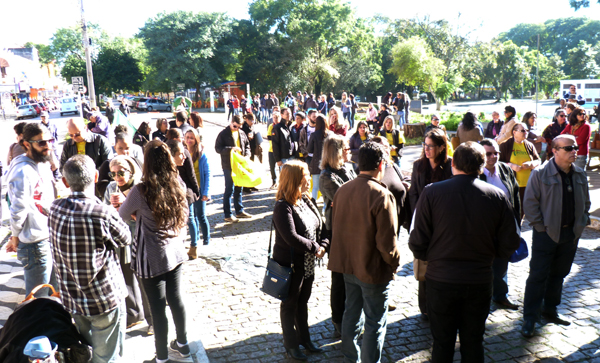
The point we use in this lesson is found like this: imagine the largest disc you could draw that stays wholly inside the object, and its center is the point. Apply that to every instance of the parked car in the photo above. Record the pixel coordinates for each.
(37, 107)
(42, 106)
(153, 104)
(26, 111)
(132, 102)
(68, 105)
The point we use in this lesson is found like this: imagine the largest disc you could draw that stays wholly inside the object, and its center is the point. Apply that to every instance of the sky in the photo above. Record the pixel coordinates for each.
(37, 20)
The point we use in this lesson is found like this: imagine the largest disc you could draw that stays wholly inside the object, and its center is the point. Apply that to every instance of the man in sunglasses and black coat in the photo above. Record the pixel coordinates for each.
(83, 141)
(557, 205)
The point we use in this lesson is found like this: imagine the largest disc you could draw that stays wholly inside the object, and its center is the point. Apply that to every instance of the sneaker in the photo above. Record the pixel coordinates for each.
(273, 187)
(231, 219)
(243, 215)
(153, 360)
(183, 351)
(150, 330)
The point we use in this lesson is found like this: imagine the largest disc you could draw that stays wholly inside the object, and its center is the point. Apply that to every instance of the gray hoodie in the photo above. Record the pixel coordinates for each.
(31, 192)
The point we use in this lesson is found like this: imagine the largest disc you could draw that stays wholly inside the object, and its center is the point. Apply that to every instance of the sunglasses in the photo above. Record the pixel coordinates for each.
(120, 174)
(569, 148)
(75, 135)
(235, 126)
(435, 119)
(562, 115)
(488, 154)
(521, 130)
(41, 143)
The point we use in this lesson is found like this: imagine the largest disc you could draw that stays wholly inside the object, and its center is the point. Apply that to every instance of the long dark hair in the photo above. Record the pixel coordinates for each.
(439, 138)
(321, 124)
(196, 119)
(468, 121)
(573, 116)
(144, 128)
(512, 110)
(160, 186)
(526, 117)
(358, 125)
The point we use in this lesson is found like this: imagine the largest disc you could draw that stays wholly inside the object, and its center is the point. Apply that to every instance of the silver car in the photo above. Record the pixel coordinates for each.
(26, 111)
(153, 104)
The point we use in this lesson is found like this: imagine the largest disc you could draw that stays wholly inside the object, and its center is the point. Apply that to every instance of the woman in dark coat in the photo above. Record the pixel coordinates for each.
(141, 136)
(433, 166)
(394, 138)
(335, 172)
(360, 137)
(315, 147)
(298, 242)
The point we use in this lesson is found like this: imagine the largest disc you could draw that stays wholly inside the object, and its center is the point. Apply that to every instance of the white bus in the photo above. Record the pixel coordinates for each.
(589, 89)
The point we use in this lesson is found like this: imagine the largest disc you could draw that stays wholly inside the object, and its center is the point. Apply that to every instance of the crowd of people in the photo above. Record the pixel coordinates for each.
(114, 246)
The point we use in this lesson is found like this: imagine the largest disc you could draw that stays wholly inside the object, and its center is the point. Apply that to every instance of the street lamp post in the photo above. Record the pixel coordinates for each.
(88, 59)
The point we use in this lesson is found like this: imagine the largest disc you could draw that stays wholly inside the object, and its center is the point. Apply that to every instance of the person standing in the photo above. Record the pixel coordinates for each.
(160, 208)
(460, 226)
(367, 275)
(557, 206)
(124, 108)
(580, 128)
(510, 115)
(110, 111)
(399, 103)
(85, 142)
(30, 192)
(85, 235)
(51, 126)
(232, 139)
(296, 130)
(559, 122)
(500, 175)
(283, 145)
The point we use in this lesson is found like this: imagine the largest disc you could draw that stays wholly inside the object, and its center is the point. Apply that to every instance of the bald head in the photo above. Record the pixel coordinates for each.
(76, 129)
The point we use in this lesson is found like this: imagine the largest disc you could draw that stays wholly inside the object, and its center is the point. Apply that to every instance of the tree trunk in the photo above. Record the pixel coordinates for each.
(438, 104)
(197, 95)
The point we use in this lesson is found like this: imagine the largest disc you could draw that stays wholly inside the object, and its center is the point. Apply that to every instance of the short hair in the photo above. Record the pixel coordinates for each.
(301, 114)
(249, 116)
(121, 128)
(511, 109)
(385, 143)
(290, 180)
(370, 155)
(174, 133)
(563, 137)
(181, 116)
(19, 128)
(125, 162)
(30, 131)
(333, 152)
(122, 136)
(489, 142)
(236, 119)
(79, 171)
(571, 106)
(558, 112)
(312, 111)
(435, 115)
(284, 109)
(174, 146)
(469, 157)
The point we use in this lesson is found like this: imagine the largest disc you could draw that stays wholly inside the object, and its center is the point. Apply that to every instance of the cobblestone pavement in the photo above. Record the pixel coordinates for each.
(231, 320)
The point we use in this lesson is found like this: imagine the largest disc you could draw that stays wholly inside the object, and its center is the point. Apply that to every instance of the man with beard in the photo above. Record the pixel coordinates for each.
(31, 192)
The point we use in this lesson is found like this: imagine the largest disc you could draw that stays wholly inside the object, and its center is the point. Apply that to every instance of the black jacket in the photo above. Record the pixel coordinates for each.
(97, 147)
(225, 143)
(330, 181)
(295, 133)
(460, 226)
(489, 130)
(508, 178)
(283, 146)
(110, 114)
(315, 147)
(419, 180)
(396, 139)
(188, 175)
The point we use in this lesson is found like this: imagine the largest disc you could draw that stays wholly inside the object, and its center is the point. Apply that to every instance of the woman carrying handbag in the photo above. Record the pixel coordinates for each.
(298, 242)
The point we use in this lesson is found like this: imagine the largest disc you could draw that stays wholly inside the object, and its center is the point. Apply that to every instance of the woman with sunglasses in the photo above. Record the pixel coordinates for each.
(434, 165)
(125, 174)
(559, 122)
(160, 208)
(521, 156)
(580, 128)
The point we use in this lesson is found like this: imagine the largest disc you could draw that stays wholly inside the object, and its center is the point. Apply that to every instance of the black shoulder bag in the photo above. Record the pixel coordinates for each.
(277, 278)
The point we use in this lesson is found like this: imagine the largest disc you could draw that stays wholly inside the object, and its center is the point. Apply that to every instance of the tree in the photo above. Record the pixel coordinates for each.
(44, 52)
(414, 64)
(578, 4)
(187, 47)
(508, 69)
(68, 42)
(551, 74)
(581, 63)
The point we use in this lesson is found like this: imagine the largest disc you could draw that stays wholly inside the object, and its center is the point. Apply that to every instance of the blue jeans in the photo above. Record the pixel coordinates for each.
(193, 227)
(36, 259)
(461, 308)
(351, 119)
(315, 186)
(230, 190)
(549, 265)
(401, 119)
(346, 116)
(396, 160)
(372, 299)
(106, 333)
(199, 207)
(499, 268)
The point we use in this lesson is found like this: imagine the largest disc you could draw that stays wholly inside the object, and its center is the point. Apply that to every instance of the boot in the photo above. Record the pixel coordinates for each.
(192, 253)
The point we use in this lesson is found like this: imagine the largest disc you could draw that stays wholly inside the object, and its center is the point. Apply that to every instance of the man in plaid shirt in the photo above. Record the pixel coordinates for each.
(85, 235)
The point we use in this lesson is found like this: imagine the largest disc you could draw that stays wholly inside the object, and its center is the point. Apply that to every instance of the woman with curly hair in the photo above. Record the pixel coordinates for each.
(469, 129)
(159, 206)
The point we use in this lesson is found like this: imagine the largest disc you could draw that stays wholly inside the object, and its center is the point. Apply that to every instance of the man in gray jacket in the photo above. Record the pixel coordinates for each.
(31, 192)
(557, 205)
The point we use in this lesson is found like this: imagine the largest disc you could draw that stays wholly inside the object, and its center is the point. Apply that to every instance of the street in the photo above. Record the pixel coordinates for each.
(231, 320)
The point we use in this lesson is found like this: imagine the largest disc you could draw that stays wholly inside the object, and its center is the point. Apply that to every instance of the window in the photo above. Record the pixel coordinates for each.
(592, 85)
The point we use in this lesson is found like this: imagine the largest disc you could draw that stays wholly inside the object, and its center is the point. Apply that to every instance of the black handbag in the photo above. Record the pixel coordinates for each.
(276, 282)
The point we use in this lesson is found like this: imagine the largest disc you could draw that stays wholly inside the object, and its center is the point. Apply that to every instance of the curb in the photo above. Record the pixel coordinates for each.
(595, 223)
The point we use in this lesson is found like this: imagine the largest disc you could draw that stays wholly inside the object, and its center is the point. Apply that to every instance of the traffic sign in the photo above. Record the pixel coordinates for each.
(180, 86)
(77, 81)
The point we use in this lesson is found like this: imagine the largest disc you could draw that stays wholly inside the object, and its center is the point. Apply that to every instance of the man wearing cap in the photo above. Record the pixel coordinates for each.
(31, 192)
(557, 206)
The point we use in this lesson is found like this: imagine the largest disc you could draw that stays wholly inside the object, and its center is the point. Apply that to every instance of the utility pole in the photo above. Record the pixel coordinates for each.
(88, 60)
(537, 72)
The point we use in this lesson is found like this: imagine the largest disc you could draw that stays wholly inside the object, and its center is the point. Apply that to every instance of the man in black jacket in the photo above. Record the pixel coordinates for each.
(460, 226)
(283, 145)
(501, 175)
(83, 141)
(232, 139)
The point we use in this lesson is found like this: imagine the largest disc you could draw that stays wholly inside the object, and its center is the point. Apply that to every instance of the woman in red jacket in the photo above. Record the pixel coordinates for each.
(582, 131)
